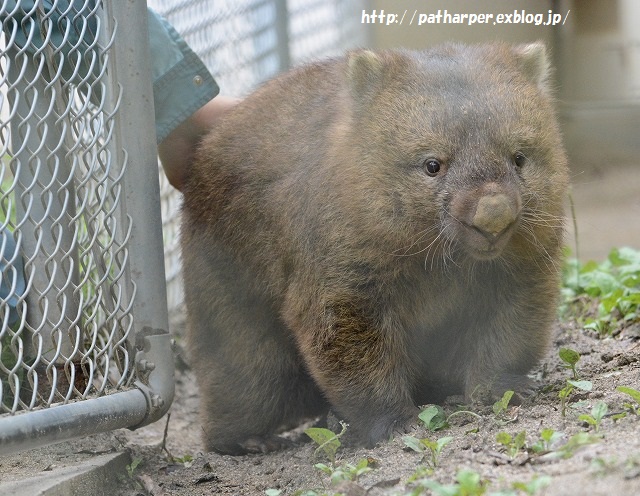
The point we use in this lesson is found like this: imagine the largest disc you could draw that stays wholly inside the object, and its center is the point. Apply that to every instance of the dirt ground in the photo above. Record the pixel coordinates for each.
(610, 465)
(607, 211)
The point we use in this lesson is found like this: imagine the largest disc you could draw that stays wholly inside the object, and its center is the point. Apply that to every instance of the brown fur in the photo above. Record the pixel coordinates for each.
(323, 265)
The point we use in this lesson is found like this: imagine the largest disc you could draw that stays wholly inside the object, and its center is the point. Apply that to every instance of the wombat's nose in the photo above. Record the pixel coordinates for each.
(494, 214)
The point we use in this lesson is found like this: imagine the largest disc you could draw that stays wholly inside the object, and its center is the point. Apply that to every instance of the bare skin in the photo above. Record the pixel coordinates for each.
(177, 150)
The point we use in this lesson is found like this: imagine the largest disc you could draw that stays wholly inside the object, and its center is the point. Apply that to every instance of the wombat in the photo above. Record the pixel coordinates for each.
(372, 233)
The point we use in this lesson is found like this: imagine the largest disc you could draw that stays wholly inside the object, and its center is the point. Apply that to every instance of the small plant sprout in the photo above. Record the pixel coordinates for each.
(568, 449)
(566, 391)
(426, 446)
(513, 444)
(500, 406)
(548, 439)
(131, 468)
(598, 412)
(433, 418)
(570, 358)
(345, 472)
(328, 441)
(468, 483)
(614, 284)
(534, 486)
(635, 395)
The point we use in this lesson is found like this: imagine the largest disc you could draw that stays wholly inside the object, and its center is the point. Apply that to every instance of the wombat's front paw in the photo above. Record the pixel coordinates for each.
(252, 445)
(385, 427)
(492, 390)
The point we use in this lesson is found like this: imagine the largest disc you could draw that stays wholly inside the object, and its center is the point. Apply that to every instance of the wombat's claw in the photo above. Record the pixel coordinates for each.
(262, 445)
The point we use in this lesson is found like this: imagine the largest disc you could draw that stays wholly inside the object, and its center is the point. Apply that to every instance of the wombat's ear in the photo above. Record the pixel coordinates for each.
(534, 63)
(364, 71)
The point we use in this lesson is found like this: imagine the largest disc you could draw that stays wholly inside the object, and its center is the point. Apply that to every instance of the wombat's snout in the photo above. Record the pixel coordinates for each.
(494, 214)
(486, 217)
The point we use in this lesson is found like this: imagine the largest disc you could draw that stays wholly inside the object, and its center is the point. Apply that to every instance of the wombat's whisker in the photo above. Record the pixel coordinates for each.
(423, 234)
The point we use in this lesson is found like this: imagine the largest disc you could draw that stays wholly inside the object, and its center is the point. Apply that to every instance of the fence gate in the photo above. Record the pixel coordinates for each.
(84, 346)
(84, 343)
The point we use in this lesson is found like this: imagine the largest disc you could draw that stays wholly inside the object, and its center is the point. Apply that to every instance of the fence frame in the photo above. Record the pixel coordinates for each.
(134, 140)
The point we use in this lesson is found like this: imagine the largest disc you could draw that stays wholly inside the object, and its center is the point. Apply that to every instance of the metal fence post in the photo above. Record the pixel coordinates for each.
(135, 130)
(282, 34)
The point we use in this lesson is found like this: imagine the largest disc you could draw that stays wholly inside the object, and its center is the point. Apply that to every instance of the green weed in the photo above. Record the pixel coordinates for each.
(468, 483)
(426, 446)
(434, 418)
(570, 358)
(608, 292)
(598, 412)
(500, 406)
(548, 439)
(513, 444)
(534, 486)
(328, 441)
(131, 468)
(346, 471)
(575, 442)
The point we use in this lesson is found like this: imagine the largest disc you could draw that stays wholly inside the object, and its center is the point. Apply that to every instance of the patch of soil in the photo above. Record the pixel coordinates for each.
(609, 465)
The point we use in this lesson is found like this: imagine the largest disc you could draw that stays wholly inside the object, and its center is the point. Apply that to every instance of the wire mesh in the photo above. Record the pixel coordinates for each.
(61, 209)
(67, 333)
(243, 43)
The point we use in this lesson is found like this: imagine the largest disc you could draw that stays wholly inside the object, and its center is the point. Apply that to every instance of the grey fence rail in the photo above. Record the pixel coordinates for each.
(84, 341)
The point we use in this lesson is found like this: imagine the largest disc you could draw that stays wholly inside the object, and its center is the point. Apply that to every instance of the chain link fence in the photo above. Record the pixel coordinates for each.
(84, 344)
(83, 304)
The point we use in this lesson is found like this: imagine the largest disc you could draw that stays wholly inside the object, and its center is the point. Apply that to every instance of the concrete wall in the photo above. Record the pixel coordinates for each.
(599, 72)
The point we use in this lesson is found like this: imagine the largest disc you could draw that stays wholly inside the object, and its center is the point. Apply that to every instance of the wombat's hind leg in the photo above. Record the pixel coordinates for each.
(249, 397)
(252, 380)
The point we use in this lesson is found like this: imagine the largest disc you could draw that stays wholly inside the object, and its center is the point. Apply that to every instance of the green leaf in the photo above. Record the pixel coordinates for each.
(414, 443)
(576, 441)
(273, 492)
(502, 404)
(504, 438)
(131, 468)
(536, 484)
(569, 356)
(520, 440)
(324, 468)
(326, 440)
(566, 391)
(469, 482)
(584, 385)
(547, 434)
(599, 410)
(634, 393)
(433, 418)
(442, 442)
(587, 418)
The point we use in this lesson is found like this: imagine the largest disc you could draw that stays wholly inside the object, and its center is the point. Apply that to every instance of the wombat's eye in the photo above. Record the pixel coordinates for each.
(519, 159)
(432, 166)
